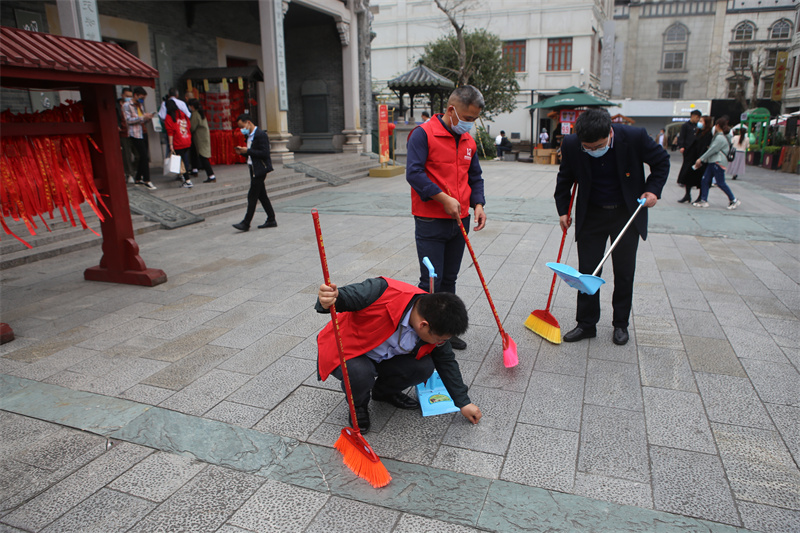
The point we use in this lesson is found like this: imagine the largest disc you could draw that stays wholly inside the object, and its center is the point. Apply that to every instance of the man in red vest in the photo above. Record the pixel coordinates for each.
(446, 180)
(393, 336)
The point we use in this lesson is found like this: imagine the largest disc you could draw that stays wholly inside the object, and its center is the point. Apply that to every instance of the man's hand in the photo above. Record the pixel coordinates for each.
(565, 221)
(241, 150)
(451, 206)
(681, 150)
(472, 413)
(480, 217)
(650, 199)
(327, 295)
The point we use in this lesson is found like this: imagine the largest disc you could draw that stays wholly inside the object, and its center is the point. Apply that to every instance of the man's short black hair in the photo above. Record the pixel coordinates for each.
(592, 125)
(502, 132)
(126, 89)
(696, 112)
(244, 117)
(172, 92)
(139, 90)
(445, 312)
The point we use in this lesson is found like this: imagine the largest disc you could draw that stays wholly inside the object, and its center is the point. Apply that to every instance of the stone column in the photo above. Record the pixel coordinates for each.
(276, 98)
(348, 33)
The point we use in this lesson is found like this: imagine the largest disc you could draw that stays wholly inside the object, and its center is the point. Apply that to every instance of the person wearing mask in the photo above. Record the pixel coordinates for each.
(179, 134)
(137, 120)
(201, 138)
(689, 176)
(607, 161)
(259, 162)
(445, 175)
(741, 143)
(716, 157)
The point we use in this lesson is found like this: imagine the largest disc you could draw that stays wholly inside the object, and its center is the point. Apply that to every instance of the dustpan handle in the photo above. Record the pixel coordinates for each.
(621, 233)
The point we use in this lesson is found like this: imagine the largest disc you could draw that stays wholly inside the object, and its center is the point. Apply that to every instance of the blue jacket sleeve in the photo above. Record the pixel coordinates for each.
(416, 176)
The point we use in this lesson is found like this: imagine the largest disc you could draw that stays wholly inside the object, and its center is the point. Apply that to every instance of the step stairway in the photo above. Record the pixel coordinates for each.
(308, 172)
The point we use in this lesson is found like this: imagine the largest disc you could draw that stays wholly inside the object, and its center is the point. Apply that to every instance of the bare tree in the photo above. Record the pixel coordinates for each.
(753, 68)
(453, 9)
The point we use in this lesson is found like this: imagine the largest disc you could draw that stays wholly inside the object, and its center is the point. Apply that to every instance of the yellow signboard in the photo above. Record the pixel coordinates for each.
(780, 76)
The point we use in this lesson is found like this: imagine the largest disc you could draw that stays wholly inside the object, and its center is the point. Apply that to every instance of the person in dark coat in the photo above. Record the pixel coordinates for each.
(607, 161)
(689, 176)
(259, 161)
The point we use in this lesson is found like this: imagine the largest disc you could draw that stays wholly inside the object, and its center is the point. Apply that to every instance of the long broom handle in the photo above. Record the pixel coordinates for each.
(621, 233)
(561, 248)
(345, 376)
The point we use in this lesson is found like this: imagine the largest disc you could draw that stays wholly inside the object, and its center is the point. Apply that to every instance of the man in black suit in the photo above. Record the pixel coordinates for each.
(607, 162)
(260, 164)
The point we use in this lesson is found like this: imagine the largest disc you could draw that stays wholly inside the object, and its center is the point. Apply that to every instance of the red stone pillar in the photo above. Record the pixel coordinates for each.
(121, 262)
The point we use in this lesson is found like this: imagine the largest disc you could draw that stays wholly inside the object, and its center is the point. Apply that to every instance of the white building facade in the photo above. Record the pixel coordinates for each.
(553, 45)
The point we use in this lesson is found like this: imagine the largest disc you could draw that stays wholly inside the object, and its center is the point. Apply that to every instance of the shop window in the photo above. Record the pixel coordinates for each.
(559, 54)
(671, 90)
(781, 30)
(766, 88)
(740, 59)
(744, 31)
(735, 86)
(514, 53)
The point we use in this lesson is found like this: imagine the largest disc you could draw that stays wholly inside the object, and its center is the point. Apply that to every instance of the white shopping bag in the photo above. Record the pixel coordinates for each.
(174, 164)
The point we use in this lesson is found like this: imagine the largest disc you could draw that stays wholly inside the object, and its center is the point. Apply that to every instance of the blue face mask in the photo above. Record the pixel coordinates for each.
(462, 127)
(600, 152)
(141, 100)
(245, 131)
(128, 99)
(700, 125)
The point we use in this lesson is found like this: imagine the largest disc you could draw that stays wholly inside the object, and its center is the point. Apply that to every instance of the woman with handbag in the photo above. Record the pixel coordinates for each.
(180, 138)
(717, 158)
(202, 138)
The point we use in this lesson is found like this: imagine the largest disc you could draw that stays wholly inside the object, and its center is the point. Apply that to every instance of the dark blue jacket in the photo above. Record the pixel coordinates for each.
(259, 153)
(633, 148)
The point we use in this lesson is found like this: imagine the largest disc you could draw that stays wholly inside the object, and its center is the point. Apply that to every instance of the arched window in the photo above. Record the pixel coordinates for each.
(677, 33)
(744, 31)
(781, 30)
(673, 51)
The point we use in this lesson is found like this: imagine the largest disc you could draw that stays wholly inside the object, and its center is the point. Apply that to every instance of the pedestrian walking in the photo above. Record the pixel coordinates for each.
(259, 162)
(716, 157)
(741, 143)
(179, 134)
(137, 119)
(201, 138)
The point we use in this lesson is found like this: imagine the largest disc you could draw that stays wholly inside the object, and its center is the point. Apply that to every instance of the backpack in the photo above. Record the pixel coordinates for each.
(731, 155)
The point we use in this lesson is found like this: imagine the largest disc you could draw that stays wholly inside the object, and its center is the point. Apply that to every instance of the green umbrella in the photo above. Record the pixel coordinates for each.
(570, 98)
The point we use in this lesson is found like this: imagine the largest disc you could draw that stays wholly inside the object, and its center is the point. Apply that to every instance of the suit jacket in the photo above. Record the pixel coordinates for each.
(632, 147)
(259, 154)
(688, 135)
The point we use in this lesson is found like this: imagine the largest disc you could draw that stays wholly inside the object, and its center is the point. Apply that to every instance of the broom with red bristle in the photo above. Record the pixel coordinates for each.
(357, 454)
(542, 322)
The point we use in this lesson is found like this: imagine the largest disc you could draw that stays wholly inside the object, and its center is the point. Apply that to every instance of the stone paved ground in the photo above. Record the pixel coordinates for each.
(194, 405)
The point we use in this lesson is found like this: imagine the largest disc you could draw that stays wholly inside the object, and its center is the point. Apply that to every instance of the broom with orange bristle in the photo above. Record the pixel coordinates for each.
(357, 454)
(542, 322)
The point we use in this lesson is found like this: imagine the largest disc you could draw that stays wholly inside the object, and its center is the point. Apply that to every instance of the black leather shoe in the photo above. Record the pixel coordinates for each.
(269, 224)
(241, 226)
(620, 336)
(578, 334)
(400, 400)
(362, 416)
(457, 343)
(684, 199)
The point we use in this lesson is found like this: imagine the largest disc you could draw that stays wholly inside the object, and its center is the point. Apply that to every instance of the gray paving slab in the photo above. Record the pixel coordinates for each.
(553, 400)
(614, 443)
(277, 506)
(158, 476)
(691, 484)
(787, 420)
(542, 457)
(613, 384)
(758, 465)
(611, 489)
(677, 419)
(774, 382)
(203, 504)
(732, 400)
(665, 368)
(105, 510)
(340, 514)
(715, 356)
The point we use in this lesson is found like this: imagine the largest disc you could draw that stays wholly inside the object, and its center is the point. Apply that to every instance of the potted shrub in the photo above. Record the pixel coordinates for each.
(771, 157)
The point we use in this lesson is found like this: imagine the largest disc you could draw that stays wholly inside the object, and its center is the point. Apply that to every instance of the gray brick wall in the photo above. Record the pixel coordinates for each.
(314, 53)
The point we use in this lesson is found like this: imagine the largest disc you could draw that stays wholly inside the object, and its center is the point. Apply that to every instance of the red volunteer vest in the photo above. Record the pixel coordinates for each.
(364, 330)
(447, 167)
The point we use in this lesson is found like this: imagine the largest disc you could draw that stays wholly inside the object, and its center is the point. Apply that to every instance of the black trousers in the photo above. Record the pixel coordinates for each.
(257, 193)
(387, 377)
(600, 226)
(143, 165)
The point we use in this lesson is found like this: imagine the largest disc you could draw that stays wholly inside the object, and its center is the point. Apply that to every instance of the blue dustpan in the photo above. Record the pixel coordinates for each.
(590, 283)
(434, 398)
